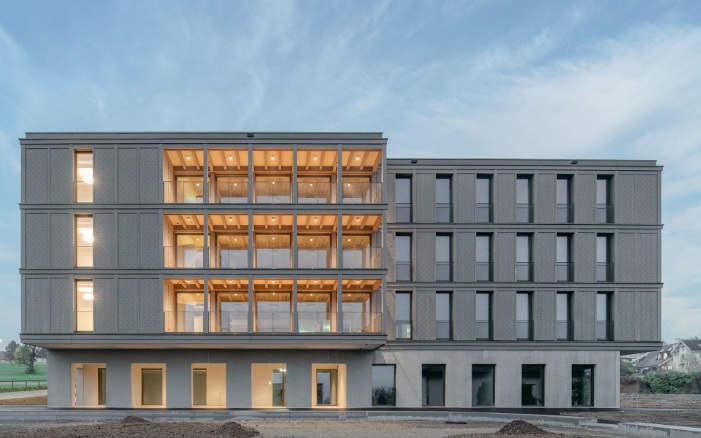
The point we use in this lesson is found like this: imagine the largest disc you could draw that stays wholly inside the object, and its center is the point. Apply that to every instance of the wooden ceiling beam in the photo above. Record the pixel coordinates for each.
(182, 159)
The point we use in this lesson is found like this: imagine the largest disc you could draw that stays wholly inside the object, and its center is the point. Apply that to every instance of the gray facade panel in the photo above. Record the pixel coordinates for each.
(505, 198)
(647, 199)
(544, 315)
(128, 240)
(647, 251)
(585, 198)
(149, 240)
(150, 306)
(36, 234)
(544, 257)
(625, 257)
(505, 257)
(36, 172)
(464, 315)
(149, 176)
(425, 315)
(624, 307)
(128, 296)
(464, 198)
(390, 256)
(425, 256)
(61, 305)
(647, 321)
(128, 175)
(106, 306)
(545, 198)
(504, 315)
(61, 241)
(104, 186)
(425, 197)
(625, 186)
(584, 315)
(106, 244)
(37, 315)
(61, 185)
(585, 257)
(390, 197)
(390, 315)
(464, 265)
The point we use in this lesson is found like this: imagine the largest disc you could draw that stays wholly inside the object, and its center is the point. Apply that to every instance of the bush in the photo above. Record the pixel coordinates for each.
(672, 382)
(627, 369)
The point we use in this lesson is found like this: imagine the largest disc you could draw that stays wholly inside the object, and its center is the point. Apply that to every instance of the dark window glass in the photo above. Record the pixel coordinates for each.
(402, 199)
(403, 315)
(524, 316)
(402, 257)
(524, 210)
(604, 319)
(563, 327)
(482, 385)
(583, 385)
(383, 385)
(532, 385)
(604, 266)
(433, 385)
(483, 257)
(443, 315)
(602, 191)
(443, 198)
(562, 195)
(604, 207)
(483, 199)
(524, 265)
(564, 268)
(483, 315)
(563, 198)
(443, 257)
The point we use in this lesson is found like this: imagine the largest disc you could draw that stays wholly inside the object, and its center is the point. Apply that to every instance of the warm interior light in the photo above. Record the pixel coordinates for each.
(273, 218)
(357, 158)
(236, 184)
(88, 296)
(348, 184)
(187, 157)
(273, 157)
(357, 219)
(316, 219)
(349, 239)
(311, 185)
(88, 237)
(311, 240)
(315, 157)
(197, 184)
(230, 157)
(316, 281)
(273, 238)
(188, 219)
(236, 239)
(357, 281)
(230, 219)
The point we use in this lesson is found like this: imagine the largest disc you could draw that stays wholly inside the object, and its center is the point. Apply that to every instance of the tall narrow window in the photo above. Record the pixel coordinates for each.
(84, 240)
(604, 205)
(604, 266)
(524, 205)
(483, 198)
(433, 385)
(84, 304)
(524, 316)
(482, 385)
(443, 315)
(563, 324)
(563, 267)
(524, 257)
(403, 315)
(384, 392)
(483, 316)
(563, 197)
(532, 385)
(402, 198)
(444, 265)
(483, 257)
(604, 317)
(583, 385)
(402, 271)
(84, 179)
(152, 386)
(444, 195)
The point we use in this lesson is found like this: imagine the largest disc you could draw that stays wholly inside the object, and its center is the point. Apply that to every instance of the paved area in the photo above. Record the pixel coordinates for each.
(22, 394)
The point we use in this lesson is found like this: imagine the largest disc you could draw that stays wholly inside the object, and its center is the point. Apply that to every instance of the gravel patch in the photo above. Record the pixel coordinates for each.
(233, 429)
(520, 427)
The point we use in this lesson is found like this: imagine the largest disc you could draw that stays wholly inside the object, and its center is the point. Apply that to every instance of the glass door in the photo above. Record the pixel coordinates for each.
(278, 387)
(199, 387)
(102, 386)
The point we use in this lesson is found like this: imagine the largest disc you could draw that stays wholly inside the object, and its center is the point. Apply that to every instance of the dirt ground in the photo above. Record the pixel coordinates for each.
(29, 401)
(687, 417)
(281, 429)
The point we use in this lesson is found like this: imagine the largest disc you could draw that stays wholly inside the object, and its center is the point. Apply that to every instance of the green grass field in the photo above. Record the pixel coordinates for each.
(12, 371)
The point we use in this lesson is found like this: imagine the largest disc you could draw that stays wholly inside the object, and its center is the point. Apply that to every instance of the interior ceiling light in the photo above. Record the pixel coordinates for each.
(198, 184)
(88, 296)
(188, 218)
(273, 158)
(348, 184)
(311, 184)
(236, 239)
(349, 239)
(357, 158)
(88, 237)
(315, 157)
(187, 157)
(311, 240)
(235, 184)
(230, 219)
(357, 219)
(273, 219)
(316, 219)
(357, 281)
(273, 238)
(273, 182)
(230, 157)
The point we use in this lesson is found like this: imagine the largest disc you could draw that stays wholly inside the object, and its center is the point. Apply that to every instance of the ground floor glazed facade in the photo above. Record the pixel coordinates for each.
(394, 375)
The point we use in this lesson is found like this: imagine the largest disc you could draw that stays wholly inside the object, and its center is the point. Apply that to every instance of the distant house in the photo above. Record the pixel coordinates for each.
(683, 356)
(655, 361)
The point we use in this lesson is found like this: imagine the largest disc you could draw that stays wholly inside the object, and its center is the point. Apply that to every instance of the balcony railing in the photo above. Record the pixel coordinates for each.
(369, 257)
(315, 192)
(231, 192)
(315, 322)
(524, 330)
(604, 330)
(484, 271)
(316, 258)
(483, 212)
(564, 271)
(564, 213)
(444, 271)
(188, 321)
(564, 330)
(444, 212)
(483, 330)
(231, 258)
(524, 213)
(228, 322)
(183, 192)
(362, 193)
(444, 330)
(273, 258)
(604, 271)
(524, 271)
(402, 329)
(604, 213)
(84, 256)
(273, 192)
(183, 257)
(402, 271)
(362, 322)
(273, 322)
(402, 212)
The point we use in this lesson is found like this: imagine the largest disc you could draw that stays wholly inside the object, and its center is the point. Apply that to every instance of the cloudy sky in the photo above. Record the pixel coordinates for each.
(547, 79)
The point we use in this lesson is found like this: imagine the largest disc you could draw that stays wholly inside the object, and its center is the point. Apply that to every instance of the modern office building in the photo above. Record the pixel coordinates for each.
(307, 270)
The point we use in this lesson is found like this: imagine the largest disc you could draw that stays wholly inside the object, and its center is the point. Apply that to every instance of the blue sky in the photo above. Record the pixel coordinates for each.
(548, 79)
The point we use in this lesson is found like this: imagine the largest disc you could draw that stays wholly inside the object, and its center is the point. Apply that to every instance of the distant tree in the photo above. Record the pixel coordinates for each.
(41, 353)
(627, 369)
(27, 355)
(10, 351)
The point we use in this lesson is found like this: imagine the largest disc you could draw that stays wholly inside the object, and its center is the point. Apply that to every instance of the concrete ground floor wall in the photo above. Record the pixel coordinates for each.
(243, 379)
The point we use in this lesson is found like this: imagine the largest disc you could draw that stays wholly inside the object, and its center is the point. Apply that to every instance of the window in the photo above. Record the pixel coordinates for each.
(604, 206)
(433, 385)
(524, 253)
(84, 176)
(327, 387)
(532, 385)
(402, 199)
(483, 257)
(84, 305)
(583, 385)
(403, 314)
(443, 315)
(563, 197)
(483, 316)
(604, 319)
(563, 324)
(444, 195)
(84, 239)
(524, 316)
(604, 267)
(563, 267)
(483, 198)
(384, 392)
(152, 386)
(482, 385)
(444, 265)
(189, 189)
(524, 206)
(402, 271)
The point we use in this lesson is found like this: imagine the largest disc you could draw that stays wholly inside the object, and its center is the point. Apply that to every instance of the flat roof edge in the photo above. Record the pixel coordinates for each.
(203, 135)
(489, 162)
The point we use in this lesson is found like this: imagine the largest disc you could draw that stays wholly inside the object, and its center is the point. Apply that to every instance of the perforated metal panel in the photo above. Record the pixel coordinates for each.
(150, 306)
(624, 184)
(544, 257)
(36, 235)
(128, 240)
(425, 197)
(61, 244)
(505, 257)
(625, 257)
(149, 240)
(106, 306)
(128, 305)
(36, 172)
(545, 198)
(647, 321)
(105, 246)
(647, 199)
(646, 257)
(585, 257)
(585, 198)
(584, 315)
(61, 305)
(37, 295)
(505, 198)
(624, 327)
(464, 315)
(504, 315)
(425, 312)
(61, 186)
(128, 175)
(544, 315)
(149, 182)
(104, 163)
(464, 265)
(425, 256)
